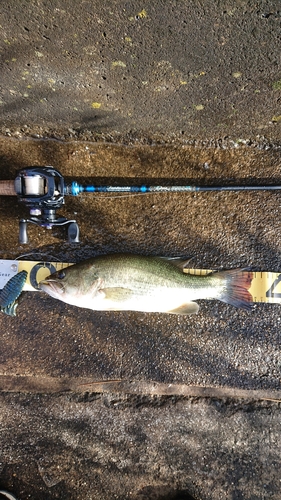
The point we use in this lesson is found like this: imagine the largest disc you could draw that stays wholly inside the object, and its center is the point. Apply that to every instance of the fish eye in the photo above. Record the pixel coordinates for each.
(61, 275)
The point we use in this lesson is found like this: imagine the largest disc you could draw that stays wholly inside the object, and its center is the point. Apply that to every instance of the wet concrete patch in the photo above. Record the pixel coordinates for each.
(218, 230)
(102, 444)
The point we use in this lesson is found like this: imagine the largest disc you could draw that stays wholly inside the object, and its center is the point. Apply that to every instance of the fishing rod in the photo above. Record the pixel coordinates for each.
(76, 189)
(42, 190)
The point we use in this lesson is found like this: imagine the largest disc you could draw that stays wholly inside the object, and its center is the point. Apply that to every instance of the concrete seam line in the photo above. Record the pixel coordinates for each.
(51, 385)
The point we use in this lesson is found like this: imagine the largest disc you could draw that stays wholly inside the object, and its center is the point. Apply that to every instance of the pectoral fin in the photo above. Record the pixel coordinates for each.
(188, 308)
(117, 294)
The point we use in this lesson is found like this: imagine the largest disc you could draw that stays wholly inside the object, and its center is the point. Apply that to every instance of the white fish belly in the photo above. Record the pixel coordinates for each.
(160, 301)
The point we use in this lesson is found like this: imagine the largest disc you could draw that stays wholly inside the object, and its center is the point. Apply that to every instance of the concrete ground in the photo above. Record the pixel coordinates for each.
(201, 69)
(134, 405)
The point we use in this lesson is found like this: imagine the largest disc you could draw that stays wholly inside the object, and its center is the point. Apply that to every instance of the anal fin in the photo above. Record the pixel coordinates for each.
(188, 308)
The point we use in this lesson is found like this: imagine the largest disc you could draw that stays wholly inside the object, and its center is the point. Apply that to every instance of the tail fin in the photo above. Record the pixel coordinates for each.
(236, 290)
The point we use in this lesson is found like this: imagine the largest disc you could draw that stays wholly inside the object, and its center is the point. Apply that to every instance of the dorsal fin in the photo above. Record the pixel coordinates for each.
(179, 262)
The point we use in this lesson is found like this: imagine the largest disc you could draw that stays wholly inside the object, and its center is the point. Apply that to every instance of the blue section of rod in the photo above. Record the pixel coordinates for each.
(75, 189)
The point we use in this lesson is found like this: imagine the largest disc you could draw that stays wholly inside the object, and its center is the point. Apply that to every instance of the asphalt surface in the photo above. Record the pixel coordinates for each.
(134, 405)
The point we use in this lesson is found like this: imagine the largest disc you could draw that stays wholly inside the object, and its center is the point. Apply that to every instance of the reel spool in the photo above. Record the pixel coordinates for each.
(42, 189)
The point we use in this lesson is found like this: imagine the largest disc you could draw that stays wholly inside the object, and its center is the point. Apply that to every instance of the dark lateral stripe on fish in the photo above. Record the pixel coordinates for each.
(12, 289)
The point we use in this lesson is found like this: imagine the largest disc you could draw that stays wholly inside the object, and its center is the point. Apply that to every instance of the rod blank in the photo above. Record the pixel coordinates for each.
(75, 189)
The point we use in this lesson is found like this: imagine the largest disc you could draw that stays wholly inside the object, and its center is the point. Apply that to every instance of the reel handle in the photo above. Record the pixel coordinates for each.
(23, 238)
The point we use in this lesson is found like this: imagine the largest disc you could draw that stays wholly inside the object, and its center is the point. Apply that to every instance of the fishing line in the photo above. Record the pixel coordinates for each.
(38, 254)
(108, 196)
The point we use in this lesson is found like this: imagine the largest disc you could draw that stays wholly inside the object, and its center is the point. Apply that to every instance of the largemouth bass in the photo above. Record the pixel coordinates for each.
(125, 282)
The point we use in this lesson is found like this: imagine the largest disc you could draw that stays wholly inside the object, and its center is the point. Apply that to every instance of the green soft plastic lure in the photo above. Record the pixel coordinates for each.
(11, 292)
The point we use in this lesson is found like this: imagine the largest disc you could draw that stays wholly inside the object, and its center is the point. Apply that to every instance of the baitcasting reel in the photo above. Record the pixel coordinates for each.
(42, 190)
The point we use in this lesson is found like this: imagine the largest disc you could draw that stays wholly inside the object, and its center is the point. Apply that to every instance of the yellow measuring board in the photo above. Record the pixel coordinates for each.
(264, 286)
(38, 271)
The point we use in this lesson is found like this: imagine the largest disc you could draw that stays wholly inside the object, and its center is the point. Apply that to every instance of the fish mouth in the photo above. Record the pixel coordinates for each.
(52, 287)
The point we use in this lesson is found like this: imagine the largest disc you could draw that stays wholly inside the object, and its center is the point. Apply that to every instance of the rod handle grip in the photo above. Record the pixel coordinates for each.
(7, 188)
